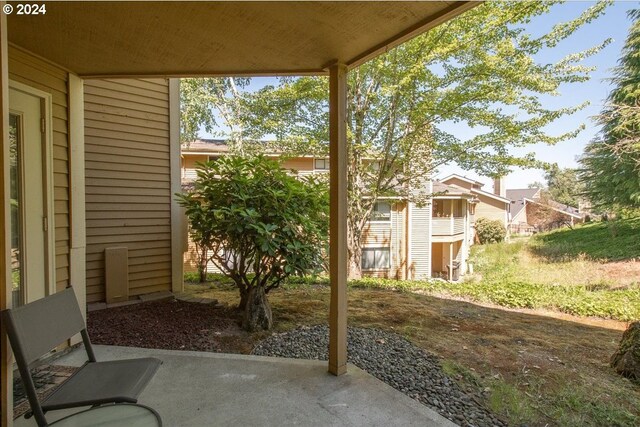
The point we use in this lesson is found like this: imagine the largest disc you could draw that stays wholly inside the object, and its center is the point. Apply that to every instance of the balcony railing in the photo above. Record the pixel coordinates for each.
(448, 226)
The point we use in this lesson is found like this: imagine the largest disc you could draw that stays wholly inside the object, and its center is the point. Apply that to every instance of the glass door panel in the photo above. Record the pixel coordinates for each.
(15, 173)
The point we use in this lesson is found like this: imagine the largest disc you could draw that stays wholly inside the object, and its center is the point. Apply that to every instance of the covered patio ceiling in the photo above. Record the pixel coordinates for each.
(127, 39)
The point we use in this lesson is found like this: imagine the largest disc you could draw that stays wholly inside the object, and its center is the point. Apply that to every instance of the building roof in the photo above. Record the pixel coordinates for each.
(520, 197)
(225, 38)
(517, 197)
(564, 208)
(442, 189)
(206, 146)
(476, 188)
(463, 178)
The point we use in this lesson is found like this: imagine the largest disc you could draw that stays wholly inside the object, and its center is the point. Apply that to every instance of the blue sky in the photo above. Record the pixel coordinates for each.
(614, 24)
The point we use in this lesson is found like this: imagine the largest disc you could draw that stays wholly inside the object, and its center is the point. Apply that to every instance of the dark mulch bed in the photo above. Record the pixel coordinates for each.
(172, 325)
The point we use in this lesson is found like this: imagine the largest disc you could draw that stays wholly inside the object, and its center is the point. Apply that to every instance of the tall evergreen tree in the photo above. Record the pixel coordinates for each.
(611, 162)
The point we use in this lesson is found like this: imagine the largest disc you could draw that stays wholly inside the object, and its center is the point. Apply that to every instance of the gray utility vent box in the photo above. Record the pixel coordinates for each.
(116, 274)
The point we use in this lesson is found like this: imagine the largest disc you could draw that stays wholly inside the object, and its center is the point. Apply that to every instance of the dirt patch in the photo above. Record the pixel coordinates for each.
(171, 325)
(623, 273)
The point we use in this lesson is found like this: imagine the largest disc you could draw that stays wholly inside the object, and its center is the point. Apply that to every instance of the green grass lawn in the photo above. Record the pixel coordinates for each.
(588, 271)
(564, 270)
(604, 241)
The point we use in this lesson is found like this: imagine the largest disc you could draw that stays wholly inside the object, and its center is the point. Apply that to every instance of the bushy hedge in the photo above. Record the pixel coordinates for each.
(490, 231)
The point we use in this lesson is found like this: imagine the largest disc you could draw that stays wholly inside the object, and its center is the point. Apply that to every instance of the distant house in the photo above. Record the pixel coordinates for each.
(402, 240)
(533, 211)
(491, 205)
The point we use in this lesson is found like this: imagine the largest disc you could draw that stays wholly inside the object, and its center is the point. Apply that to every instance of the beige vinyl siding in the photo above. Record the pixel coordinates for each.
(459, 182)
(377, 233)
(490, 208)
(128, 188)
(189, 164)
(301, 164)
(420, 242)
(32, 71)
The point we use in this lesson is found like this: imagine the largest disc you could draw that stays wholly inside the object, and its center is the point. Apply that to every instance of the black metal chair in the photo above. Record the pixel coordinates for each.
(36, 328)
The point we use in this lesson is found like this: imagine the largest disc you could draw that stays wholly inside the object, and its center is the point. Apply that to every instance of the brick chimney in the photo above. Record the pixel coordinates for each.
(499, 188)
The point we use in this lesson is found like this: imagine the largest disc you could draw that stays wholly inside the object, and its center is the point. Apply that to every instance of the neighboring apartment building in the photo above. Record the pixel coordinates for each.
(402, 240)
(494, 206)
(532, 212)
(521, 211)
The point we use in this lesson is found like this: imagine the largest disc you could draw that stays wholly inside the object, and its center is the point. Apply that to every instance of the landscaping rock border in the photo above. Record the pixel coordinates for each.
(392, 359)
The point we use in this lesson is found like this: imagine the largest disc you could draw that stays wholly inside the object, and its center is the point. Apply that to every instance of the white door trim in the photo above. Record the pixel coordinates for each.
(50, 285)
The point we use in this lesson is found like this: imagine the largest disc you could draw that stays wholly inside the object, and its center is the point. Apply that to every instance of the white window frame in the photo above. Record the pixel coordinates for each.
(384, 220)
(376, 254)
(325, 162)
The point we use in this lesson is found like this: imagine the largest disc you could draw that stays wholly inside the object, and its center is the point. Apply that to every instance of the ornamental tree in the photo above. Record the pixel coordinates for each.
(480, 70)
(259, 225)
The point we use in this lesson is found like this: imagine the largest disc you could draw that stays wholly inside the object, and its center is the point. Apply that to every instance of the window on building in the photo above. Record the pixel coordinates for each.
(381, 211)
(213, 158)
(375, 259)
(321, 164)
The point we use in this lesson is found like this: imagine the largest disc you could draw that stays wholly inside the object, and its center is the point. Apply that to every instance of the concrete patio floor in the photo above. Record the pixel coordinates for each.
(211, 389)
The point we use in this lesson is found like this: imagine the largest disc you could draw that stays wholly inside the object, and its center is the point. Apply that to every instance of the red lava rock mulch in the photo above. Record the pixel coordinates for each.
(172, 325)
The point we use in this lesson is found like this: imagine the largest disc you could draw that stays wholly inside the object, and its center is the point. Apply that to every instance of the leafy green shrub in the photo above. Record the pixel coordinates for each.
(490, 231)
(259, 225)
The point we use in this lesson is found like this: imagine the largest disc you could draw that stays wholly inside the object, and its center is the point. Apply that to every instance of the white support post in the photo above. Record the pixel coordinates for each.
(77, 256)
(451, 226)
(451, 261)
(338, 219)
(6, 357)
(178, 216)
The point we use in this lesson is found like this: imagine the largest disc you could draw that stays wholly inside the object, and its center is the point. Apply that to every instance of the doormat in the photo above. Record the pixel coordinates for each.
(46, 379)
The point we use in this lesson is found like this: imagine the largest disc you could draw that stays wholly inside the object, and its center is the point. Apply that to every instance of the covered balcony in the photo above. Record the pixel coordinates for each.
(75, 41)
(449, 219)
(194, 389)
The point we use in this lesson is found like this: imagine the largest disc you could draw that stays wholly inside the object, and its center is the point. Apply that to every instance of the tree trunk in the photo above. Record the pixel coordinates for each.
(244, 298)
(202, 263)
(355, 261)
(354, 249)
(257, 314)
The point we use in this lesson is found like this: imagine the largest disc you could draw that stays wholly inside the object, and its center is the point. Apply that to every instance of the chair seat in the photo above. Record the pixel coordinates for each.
(104, 382)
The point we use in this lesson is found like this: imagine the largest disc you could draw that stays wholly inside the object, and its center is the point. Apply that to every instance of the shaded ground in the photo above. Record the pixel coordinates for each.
(171, 325)
(529, 368)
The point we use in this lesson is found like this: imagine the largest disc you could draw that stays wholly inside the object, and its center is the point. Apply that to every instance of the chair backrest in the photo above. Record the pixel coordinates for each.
(36, 328)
